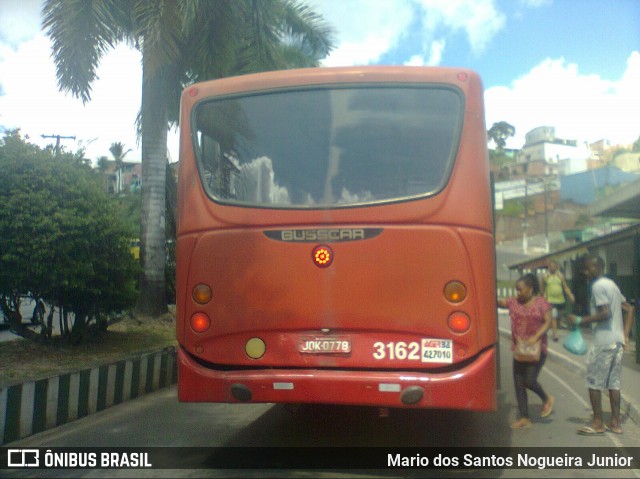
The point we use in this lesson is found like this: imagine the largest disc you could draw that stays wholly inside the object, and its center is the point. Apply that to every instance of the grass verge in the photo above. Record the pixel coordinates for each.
(24, 360)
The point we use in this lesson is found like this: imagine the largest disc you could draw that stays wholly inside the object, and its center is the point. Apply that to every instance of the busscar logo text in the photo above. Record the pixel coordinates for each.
(346, 234)
(328, 235)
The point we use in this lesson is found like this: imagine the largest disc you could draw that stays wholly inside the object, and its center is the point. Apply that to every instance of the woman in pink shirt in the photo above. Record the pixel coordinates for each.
(530, 319)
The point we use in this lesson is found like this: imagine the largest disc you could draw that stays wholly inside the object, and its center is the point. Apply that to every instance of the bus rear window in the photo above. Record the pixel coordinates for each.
(327, 148)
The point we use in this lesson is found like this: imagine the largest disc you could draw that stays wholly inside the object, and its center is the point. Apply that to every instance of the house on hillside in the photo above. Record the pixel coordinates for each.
(126, 179)
(543, 154)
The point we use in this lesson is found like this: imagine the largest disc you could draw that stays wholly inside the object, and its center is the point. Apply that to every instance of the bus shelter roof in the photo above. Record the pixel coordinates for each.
(572, 252)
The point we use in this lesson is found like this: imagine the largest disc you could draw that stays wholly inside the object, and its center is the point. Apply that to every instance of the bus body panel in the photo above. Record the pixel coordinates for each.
(268, 288)
(385, 294)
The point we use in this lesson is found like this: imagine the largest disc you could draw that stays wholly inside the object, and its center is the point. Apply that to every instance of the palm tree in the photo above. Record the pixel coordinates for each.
(181, 41)
(117, 151)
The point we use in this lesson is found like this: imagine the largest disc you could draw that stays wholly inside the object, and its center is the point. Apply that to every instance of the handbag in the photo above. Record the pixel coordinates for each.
(527, 353)
(575, 343)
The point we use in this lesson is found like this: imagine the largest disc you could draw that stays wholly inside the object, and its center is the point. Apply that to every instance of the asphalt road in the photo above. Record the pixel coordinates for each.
(158, 420)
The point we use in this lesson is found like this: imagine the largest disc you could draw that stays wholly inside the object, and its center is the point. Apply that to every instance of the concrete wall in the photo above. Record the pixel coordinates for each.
(35, 406)
(563, 218)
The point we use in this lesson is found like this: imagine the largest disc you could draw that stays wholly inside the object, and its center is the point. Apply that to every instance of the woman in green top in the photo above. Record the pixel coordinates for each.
(554, 288)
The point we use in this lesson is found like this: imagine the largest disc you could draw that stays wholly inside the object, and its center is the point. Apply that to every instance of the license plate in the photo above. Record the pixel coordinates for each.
(437, 351)
(324, 344)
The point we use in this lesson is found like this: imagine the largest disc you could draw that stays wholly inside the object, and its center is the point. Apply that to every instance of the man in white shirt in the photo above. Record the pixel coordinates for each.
(611, 337)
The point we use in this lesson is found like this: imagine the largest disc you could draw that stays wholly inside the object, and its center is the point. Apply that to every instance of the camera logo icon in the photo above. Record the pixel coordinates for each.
(24, 458)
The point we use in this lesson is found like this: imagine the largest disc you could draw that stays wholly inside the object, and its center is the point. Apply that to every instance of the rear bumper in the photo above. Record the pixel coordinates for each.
(472, 387)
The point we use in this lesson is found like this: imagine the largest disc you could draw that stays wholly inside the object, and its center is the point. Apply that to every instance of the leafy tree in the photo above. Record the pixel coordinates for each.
(636, 146)
(103, 164)
(499, 132)
(502, 162)
(181, 41)
(60, 240)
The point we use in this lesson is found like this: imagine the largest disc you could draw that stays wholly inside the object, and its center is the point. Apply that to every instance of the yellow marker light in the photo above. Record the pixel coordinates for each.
(255, 348)
(322, 256)
(455, 292)
(200, 322)
(459, 322)
(201, 294)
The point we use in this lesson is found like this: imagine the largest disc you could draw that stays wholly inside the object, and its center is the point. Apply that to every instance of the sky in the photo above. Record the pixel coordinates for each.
(570, 64)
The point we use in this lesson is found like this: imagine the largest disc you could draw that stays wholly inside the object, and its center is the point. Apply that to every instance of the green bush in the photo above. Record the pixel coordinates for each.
(60, 239)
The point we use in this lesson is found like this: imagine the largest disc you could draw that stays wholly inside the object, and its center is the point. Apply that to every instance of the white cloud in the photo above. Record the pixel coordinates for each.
(435, 55)
(19, 20)
(32, 102)
(366, 29)
(581, 107)
(479, 19)
(535, 3)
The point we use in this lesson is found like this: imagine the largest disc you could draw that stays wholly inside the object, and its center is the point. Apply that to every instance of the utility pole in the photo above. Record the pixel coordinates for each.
(58, 138)
(525, 223)
(546, 219)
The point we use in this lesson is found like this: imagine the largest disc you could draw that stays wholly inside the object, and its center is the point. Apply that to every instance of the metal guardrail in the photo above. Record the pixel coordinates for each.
(35, 406)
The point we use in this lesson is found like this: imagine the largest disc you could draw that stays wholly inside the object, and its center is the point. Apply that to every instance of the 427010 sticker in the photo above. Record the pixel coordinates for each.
(427, 350)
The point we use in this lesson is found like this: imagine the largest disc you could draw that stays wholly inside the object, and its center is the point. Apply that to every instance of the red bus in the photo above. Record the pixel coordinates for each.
(335, 240)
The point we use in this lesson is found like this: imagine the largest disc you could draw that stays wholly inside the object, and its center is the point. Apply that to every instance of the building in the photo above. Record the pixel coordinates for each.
(543, 154)
(126, 179)
(599, 149)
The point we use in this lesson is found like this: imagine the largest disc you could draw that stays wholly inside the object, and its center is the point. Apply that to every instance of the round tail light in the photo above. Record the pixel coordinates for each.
(455, 292)
(201, 294)
(322, 256)
(459, 322)
(200, 322)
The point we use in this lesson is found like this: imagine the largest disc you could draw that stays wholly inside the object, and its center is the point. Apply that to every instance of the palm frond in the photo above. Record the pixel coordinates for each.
(301, 23)
(81, 32)
(272, 28)
(212, 37)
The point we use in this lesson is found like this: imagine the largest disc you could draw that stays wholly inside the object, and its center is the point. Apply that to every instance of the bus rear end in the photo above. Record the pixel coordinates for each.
(335, 240)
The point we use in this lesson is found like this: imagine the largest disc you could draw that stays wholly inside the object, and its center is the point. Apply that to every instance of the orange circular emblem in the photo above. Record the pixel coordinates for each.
(322, 256)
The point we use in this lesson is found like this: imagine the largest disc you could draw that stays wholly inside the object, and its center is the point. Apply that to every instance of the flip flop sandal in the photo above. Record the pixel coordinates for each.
(549, 407)
(589, 431)
(614, 430)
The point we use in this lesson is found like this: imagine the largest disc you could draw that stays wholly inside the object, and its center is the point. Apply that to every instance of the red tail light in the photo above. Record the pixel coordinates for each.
(459, 322)
(200, 322)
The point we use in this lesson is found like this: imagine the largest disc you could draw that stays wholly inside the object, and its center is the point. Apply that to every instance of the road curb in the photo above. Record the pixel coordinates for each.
(627, 406)
(35, 406)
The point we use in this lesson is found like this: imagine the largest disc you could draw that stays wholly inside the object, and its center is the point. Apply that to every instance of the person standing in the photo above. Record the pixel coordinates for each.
(554, 288)
(530, 319)
(611, 337)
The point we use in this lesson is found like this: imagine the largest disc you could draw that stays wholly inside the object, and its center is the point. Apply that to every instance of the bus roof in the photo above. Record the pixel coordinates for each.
(462, 77)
